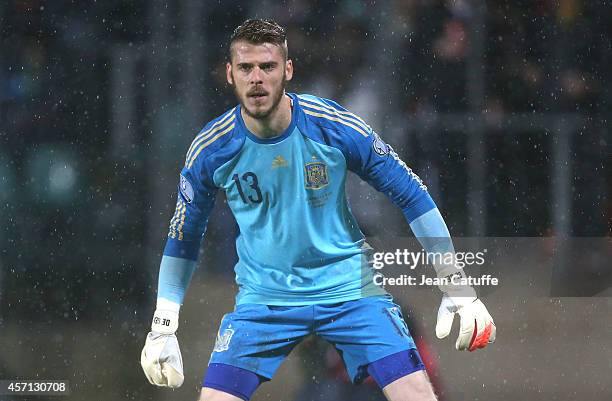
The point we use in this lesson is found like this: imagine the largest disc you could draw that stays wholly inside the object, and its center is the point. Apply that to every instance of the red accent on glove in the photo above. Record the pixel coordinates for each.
(482, 340)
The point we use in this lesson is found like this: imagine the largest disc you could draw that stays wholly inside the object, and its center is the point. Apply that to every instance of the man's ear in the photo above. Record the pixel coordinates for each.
(288, 70)
(228, 73)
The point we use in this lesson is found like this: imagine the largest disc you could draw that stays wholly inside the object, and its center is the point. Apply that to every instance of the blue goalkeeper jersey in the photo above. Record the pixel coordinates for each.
(298, 241)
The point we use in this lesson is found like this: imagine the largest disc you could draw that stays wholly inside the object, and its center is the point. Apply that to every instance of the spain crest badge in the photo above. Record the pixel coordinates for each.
(316, 175)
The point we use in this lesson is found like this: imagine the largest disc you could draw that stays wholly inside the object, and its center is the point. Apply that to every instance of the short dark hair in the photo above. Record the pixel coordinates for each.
(258, 31)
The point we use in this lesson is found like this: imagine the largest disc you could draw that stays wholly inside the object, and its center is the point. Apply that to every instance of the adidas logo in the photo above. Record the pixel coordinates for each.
(279, 161)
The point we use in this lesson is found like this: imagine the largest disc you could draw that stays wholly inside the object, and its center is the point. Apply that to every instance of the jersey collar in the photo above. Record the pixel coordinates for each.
(278, 138)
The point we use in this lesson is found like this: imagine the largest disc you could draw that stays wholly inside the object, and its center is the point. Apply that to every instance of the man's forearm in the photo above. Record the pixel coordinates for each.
(431, 231)
(174, 278)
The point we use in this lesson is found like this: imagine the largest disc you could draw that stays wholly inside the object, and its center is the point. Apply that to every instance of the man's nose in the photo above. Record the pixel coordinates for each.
(256, 76)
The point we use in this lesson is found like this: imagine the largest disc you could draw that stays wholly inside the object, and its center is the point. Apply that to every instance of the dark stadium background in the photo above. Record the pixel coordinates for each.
(502, 107)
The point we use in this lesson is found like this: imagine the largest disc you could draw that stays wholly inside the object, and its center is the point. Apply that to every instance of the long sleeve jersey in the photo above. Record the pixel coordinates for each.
(298, 240)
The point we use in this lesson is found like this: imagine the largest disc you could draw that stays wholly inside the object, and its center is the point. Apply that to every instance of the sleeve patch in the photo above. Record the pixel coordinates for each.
(186, 189)
(379, 146)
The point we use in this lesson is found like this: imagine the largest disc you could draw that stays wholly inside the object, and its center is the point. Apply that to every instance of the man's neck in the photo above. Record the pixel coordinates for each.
(273, 125)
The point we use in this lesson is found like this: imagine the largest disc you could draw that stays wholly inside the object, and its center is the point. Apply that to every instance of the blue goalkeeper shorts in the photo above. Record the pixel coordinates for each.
(258, 338)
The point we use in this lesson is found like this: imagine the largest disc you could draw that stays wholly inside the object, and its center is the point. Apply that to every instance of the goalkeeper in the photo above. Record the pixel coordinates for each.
(302, 269)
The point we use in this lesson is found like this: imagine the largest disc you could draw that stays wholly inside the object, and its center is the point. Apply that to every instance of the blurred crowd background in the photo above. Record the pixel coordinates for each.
(502, 107)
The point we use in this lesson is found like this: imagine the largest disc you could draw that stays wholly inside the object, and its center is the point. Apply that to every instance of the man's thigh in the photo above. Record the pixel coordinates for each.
(364, 331)
(251, 344)
(412, 387)
(211, 394)
(258, 338)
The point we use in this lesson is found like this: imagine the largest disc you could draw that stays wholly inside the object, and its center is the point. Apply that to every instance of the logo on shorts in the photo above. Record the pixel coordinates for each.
(223, 340)
(316, 175)
(398, 321)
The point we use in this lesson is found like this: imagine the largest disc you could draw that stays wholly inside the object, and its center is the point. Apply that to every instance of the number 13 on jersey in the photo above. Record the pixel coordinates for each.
(250, 179)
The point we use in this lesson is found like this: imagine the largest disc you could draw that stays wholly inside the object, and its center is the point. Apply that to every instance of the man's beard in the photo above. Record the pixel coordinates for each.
(275, 102)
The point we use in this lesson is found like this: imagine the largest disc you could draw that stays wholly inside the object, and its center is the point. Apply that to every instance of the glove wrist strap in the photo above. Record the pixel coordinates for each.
(165, 321)
(453, 287)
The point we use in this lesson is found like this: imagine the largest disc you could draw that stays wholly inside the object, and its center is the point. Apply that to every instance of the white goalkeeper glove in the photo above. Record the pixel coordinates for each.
(161, 358)
(476, 328)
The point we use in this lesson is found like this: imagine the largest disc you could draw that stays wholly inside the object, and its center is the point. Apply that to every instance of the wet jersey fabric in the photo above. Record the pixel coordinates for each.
(298, 241)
